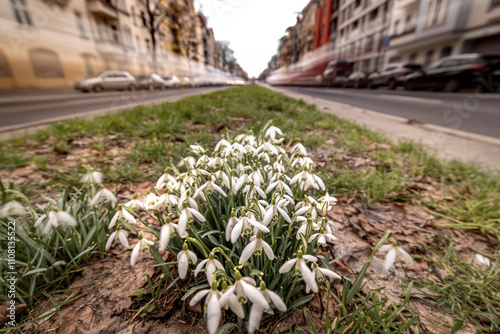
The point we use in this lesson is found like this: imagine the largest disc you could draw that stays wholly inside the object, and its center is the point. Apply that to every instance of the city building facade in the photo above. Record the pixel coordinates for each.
(53, 43)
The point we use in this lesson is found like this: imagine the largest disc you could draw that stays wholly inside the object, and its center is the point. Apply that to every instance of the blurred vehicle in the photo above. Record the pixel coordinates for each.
(356, 80)
(336, 68)
(172, 81)
(456, 72)
(108, 80)
(185, 82)
(151, 81)
(338, 81)
(392, 75)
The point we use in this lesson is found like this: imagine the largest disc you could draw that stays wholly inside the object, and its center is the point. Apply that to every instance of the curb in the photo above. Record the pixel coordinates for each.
(21, 129)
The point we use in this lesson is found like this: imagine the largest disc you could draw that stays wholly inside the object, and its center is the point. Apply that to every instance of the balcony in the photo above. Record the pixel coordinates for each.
(102, 7)
(406, 3)
(109, 48)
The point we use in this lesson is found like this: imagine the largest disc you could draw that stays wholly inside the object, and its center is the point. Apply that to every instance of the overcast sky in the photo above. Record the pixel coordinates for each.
(252, 27)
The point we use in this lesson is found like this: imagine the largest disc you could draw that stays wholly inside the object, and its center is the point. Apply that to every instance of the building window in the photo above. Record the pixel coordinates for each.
(413, 57)
(114, 34)
(80, 25)
(21, 12)
(428, 57)
(396, 26)
(132, 10)
(46, 64)
(143, 17)
(148, 49)
(89, 62)
(437, 11)
(446, 51)
(4, 66)
(494, 3)
(138, 43)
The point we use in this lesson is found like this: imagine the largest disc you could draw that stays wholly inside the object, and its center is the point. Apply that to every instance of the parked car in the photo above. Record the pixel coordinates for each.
(336, 68)
(185, 82)
(171, 81)
(456, 72)
(356, 80)
(108, 80)
(151, 81)
(391, 75)
(338, 81)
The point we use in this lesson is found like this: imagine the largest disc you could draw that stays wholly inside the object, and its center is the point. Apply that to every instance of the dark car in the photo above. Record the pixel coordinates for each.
(151, 81)
(338, 81)
(356, 80)
(391, 75)
(334, 69)
(456, 72)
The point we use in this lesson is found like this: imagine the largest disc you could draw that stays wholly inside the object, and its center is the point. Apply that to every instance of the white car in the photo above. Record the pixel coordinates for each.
(171, 81)
(108, 80)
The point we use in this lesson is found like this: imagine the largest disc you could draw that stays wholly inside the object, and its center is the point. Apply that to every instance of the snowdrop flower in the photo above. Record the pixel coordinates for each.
(55, 218)
(304, 180)
(255, 246)
(299, 149)
(231, 222)
(232, 302)
(301, 268)
(302, 161)
(244, 227)
(12, 208)
(169, 200)
(244, 287)
(308, 208)
(256, 176)
(185, 257)
(122, 213)
(197, 149)
(212, 306)
(392, 253)
(152, 202)
(222, 176)
(280, 184)
(134, 203)
(322, 237)
(272, 133)
(264, 150)
(186, 217)
(170, 181)
(188, 161)
(92, 178)
(483, 259)
(308, 225)
(237, 151)
(251, 189)
(142, 246)
(104, 193)
(210, 186)
(211, 265)
(222, 144)
(256, 310)
(118, 235)
(320, 273)
(166, 231)
(326, 203)
(273, 210)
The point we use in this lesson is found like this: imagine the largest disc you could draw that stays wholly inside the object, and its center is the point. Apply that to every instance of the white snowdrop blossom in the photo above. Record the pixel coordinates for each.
(232, 302)
(211, 187)
(118, 235)
(134, 204)
(255, 247)
(54, 219)
(212, 305)
(91, 178)
(211, 264)
(106, 194)
(322, 237)
(320, 273)
(392, 253)
(301, 268)
(122, 213)
(152, 202)
(12, 208)
(244, 226)
(273, 210)
(244, 288)
(186, 217)
(141, 247)
(183, 259)
(166, 231)
(256, 310)
(483, 259)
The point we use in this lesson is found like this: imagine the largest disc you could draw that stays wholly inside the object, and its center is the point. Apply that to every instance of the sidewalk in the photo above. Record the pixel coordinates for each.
(447, 143)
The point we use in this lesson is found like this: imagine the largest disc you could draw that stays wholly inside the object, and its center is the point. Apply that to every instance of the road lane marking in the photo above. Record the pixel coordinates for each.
(409, 99)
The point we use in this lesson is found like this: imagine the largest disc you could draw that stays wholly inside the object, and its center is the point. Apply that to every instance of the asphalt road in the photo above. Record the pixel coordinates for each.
(465, 111)
(19, 109)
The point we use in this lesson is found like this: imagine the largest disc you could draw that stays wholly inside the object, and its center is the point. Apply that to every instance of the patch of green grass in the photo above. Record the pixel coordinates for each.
(162, 134)
(470, 291)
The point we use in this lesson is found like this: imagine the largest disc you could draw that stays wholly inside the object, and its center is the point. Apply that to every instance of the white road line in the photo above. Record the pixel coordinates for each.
(409, 99)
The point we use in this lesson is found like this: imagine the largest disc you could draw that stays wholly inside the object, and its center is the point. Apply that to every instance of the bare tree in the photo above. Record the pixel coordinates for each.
(152, 15)
(229, 61)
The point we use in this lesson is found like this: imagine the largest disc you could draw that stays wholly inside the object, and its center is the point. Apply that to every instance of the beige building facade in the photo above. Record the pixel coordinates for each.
(423, 31)
(52, 44)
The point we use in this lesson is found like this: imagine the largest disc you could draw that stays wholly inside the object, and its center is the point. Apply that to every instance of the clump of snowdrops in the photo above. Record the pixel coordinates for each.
(244, 218)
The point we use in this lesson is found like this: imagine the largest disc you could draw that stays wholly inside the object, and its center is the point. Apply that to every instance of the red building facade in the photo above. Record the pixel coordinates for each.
(324, 14)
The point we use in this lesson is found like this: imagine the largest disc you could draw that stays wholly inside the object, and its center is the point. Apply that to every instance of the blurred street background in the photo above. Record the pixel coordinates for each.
(431, 61)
